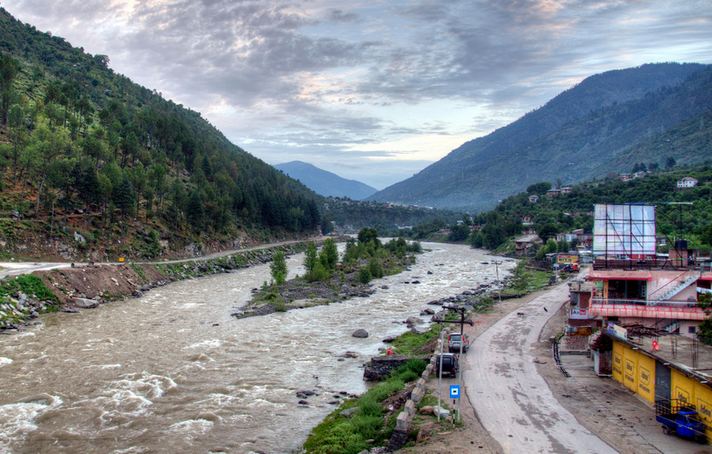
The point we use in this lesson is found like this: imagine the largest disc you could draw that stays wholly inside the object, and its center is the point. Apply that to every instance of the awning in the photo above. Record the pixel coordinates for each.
(706, 277)
(620, 275)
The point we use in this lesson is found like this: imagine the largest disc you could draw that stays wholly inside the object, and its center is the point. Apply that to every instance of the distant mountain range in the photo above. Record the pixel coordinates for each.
(605, 124)
(325, 183)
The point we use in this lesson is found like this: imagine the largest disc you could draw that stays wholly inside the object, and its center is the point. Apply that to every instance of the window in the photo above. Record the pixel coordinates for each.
(691, 329)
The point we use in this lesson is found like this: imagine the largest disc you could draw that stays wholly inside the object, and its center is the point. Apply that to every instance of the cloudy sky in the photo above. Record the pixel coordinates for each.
(372, 90)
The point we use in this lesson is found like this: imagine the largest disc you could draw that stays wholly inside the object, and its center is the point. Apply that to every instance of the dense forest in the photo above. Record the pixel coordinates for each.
(550, 216)
(350, 216)
(83, 149)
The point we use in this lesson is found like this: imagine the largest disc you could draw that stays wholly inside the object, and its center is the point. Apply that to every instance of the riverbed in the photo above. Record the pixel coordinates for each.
(172, 371)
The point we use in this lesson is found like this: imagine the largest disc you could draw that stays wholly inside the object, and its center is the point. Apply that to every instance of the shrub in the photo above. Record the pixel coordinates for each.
(364, 275)
(375, 268)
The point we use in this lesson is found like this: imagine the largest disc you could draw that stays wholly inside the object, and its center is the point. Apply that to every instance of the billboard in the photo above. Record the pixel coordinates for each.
(624, 230)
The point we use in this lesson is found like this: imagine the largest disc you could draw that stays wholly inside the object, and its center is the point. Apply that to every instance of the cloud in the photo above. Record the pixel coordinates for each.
(355, 85)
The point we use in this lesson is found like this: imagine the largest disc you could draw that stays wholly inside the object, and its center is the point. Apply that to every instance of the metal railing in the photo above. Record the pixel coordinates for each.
(638, 302)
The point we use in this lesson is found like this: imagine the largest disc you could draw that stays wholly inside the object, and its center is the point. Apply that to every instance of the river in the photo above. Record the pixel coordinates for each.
(172, 371)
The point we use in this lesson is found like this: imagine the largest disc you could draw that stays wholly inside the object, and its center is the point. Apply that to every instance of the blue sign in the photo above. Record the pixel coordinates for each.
(454, 391)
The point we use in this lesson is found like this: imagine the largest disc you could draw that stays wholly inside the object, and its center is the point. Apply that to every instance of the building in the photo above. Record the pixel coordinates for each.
(566, 189)
(526, 244)
(625, 177)
(533, 198)
(527, 220)
(664, 300)
(686, 182)
(640, 174)
(551, 193)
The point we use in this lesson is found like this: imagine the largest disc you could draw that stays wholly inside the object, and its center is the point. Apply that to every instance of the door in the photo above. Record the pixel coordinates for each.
(662, 382)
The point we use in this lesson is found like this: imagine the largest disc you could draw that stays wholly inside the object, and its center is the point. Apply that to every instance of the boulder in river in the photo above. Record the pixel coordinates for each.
(360, 333)
(412, 321)
(85, 303)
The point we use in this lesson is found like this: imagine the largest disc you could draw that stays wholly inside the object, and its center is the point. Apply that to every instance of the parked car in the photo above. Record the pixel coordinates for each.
(680, 418)
(455, 339)
(450, 364)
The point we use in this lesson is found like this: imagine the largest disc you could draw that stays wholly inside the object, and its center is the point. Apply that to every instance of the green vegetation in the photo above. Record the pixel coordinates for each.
(278, 268)
(81, 140)
(575, 210)
(371, 424)
(414, 344)
(386, 218)
(29, 285)
(524, 280)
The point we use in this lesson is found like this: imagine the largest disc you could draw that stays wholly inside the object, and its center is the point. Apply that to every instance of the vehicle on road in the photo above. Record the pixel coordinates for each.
(457, 340)
(450, 364)
(680, 418)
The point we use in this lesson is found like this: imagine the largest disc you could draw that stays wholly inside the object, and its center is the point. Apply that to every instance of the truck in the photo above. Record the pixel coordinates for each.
(680, 418)
(455, 339)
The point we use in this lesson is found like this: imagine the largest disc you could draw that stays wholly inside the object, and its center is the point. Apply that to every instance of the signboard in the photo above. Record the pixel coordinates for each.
(454, 391)
(617, 331)
(567, 259)
(624, 230)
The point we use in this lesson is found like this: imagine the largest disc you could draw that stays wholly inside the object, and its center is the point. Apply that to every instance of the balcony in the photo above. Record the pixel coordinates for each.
(674, 310)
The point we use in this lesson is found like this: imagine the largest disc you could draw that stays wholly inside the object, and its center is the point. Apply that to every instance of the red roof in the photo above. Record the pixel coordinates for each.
(620, 275)
(706, 277)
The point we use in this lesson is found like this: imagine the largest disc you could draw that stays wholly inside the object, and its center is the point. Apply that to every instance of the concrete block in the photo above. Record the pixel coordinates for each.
(410, 408)
(417, 394)
(402, 422)
(420, 382)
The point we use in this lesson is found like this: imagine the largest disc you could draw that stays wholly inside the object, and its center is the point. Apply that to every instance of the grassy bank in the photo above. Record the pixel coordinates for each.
(524, 280)
(366, 421)
(23, 298)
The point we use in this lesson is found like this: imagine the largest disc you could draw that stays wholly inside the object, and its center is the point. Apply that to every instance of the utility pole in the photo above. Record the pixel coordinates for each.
(440, 372)
(499, 287)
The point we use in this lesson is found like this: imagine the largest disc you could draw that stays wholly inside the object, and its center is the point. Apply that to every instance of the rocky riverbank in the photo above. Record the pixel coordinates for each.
(23, 298)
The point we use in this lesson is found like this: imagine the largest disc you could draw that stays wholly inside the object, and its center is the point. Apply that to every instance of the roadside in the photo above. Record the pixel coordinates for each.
(515, 404)
(471, 437)
(603, 406)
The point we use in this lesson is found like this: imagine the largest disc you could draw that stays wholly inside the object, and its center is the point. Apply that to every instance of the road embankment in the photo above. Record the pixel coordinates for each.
(23, 298)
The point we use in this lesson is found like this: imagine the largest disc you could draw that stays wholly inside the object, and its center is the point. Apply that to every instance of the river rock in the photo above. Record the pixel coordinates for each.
(360, 333)
(304, 393)
(388, 339)
(303, 402)
(350, 354)
(427, 311)
(86, 303)
(412, 321)
(349, 412)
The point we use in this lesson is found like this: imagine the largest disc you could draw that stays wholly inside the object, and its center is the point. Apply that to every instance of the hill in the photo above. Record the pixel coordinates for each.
(350, 216)
(325, 183)
(575, 210)
(587, 131)
(93, 165)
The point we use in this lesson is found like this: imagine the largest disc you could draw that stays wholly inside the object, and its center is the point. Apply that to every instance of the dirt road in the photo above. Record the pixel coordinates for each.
(512, 400)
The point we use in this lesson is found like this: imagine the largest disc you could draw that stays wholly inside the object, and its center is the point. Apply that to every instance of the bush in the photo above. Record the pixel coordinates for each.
(375, 268)
(319, 273)
(364, 275)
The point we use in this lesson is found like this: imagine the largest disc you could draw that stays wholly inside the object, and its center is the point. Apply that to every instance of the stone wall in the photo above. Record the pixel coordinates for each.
(405, 417)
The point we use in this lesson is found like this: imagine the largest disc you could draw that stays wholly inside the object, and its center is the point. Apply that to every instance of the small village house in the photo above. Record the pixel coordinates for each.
(533, 198)
(686, 182)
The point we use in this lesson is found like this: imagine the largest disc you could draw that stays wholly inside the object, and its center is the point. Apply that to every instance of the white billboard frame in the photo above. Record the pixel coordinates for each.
(624, 231)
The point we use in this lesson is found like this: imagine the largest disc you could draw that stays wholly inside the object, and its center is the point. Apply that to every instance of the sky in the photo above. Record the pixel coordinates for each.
(371, 90)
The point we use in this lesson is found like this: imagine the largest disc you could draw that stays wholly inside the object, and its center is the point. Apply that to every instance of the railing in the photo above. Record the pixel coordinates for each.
(638, 302)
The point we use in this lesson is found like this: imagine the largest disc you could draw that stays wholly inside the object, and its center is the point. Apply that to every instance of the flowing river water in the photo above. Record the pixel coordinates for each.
(172, 371)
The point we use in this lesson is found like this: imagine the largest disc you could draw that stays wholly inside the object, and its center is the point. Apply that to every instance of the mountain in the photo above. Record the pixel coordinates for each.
(93, 165)
(325, 183)
(587, 131)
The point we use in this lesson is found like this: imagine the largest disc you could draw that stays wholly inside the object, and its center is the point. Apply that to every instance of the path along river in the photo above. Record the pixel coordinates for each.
(172, 371)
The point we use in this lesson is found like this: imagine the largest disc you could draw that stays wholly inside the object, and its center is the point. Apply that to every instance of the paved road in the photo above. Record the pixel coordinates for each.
(512, 400)
(18, 268)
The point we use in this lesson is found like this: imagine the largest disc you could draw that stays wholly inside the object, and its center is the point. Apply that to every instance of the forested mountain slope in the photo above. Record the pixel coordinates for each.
(83, 149)
(587, 131)
(325, 183)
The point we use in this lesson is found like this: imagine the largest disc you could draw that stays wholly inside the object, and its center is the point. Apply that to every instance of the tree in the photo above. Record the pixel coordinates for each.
(329, 255)
(195, 212)
(310, 258)
(367, 235)
(8, 70)
(539, 188)
(458, 232)
(279, 268)
(670, 162)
